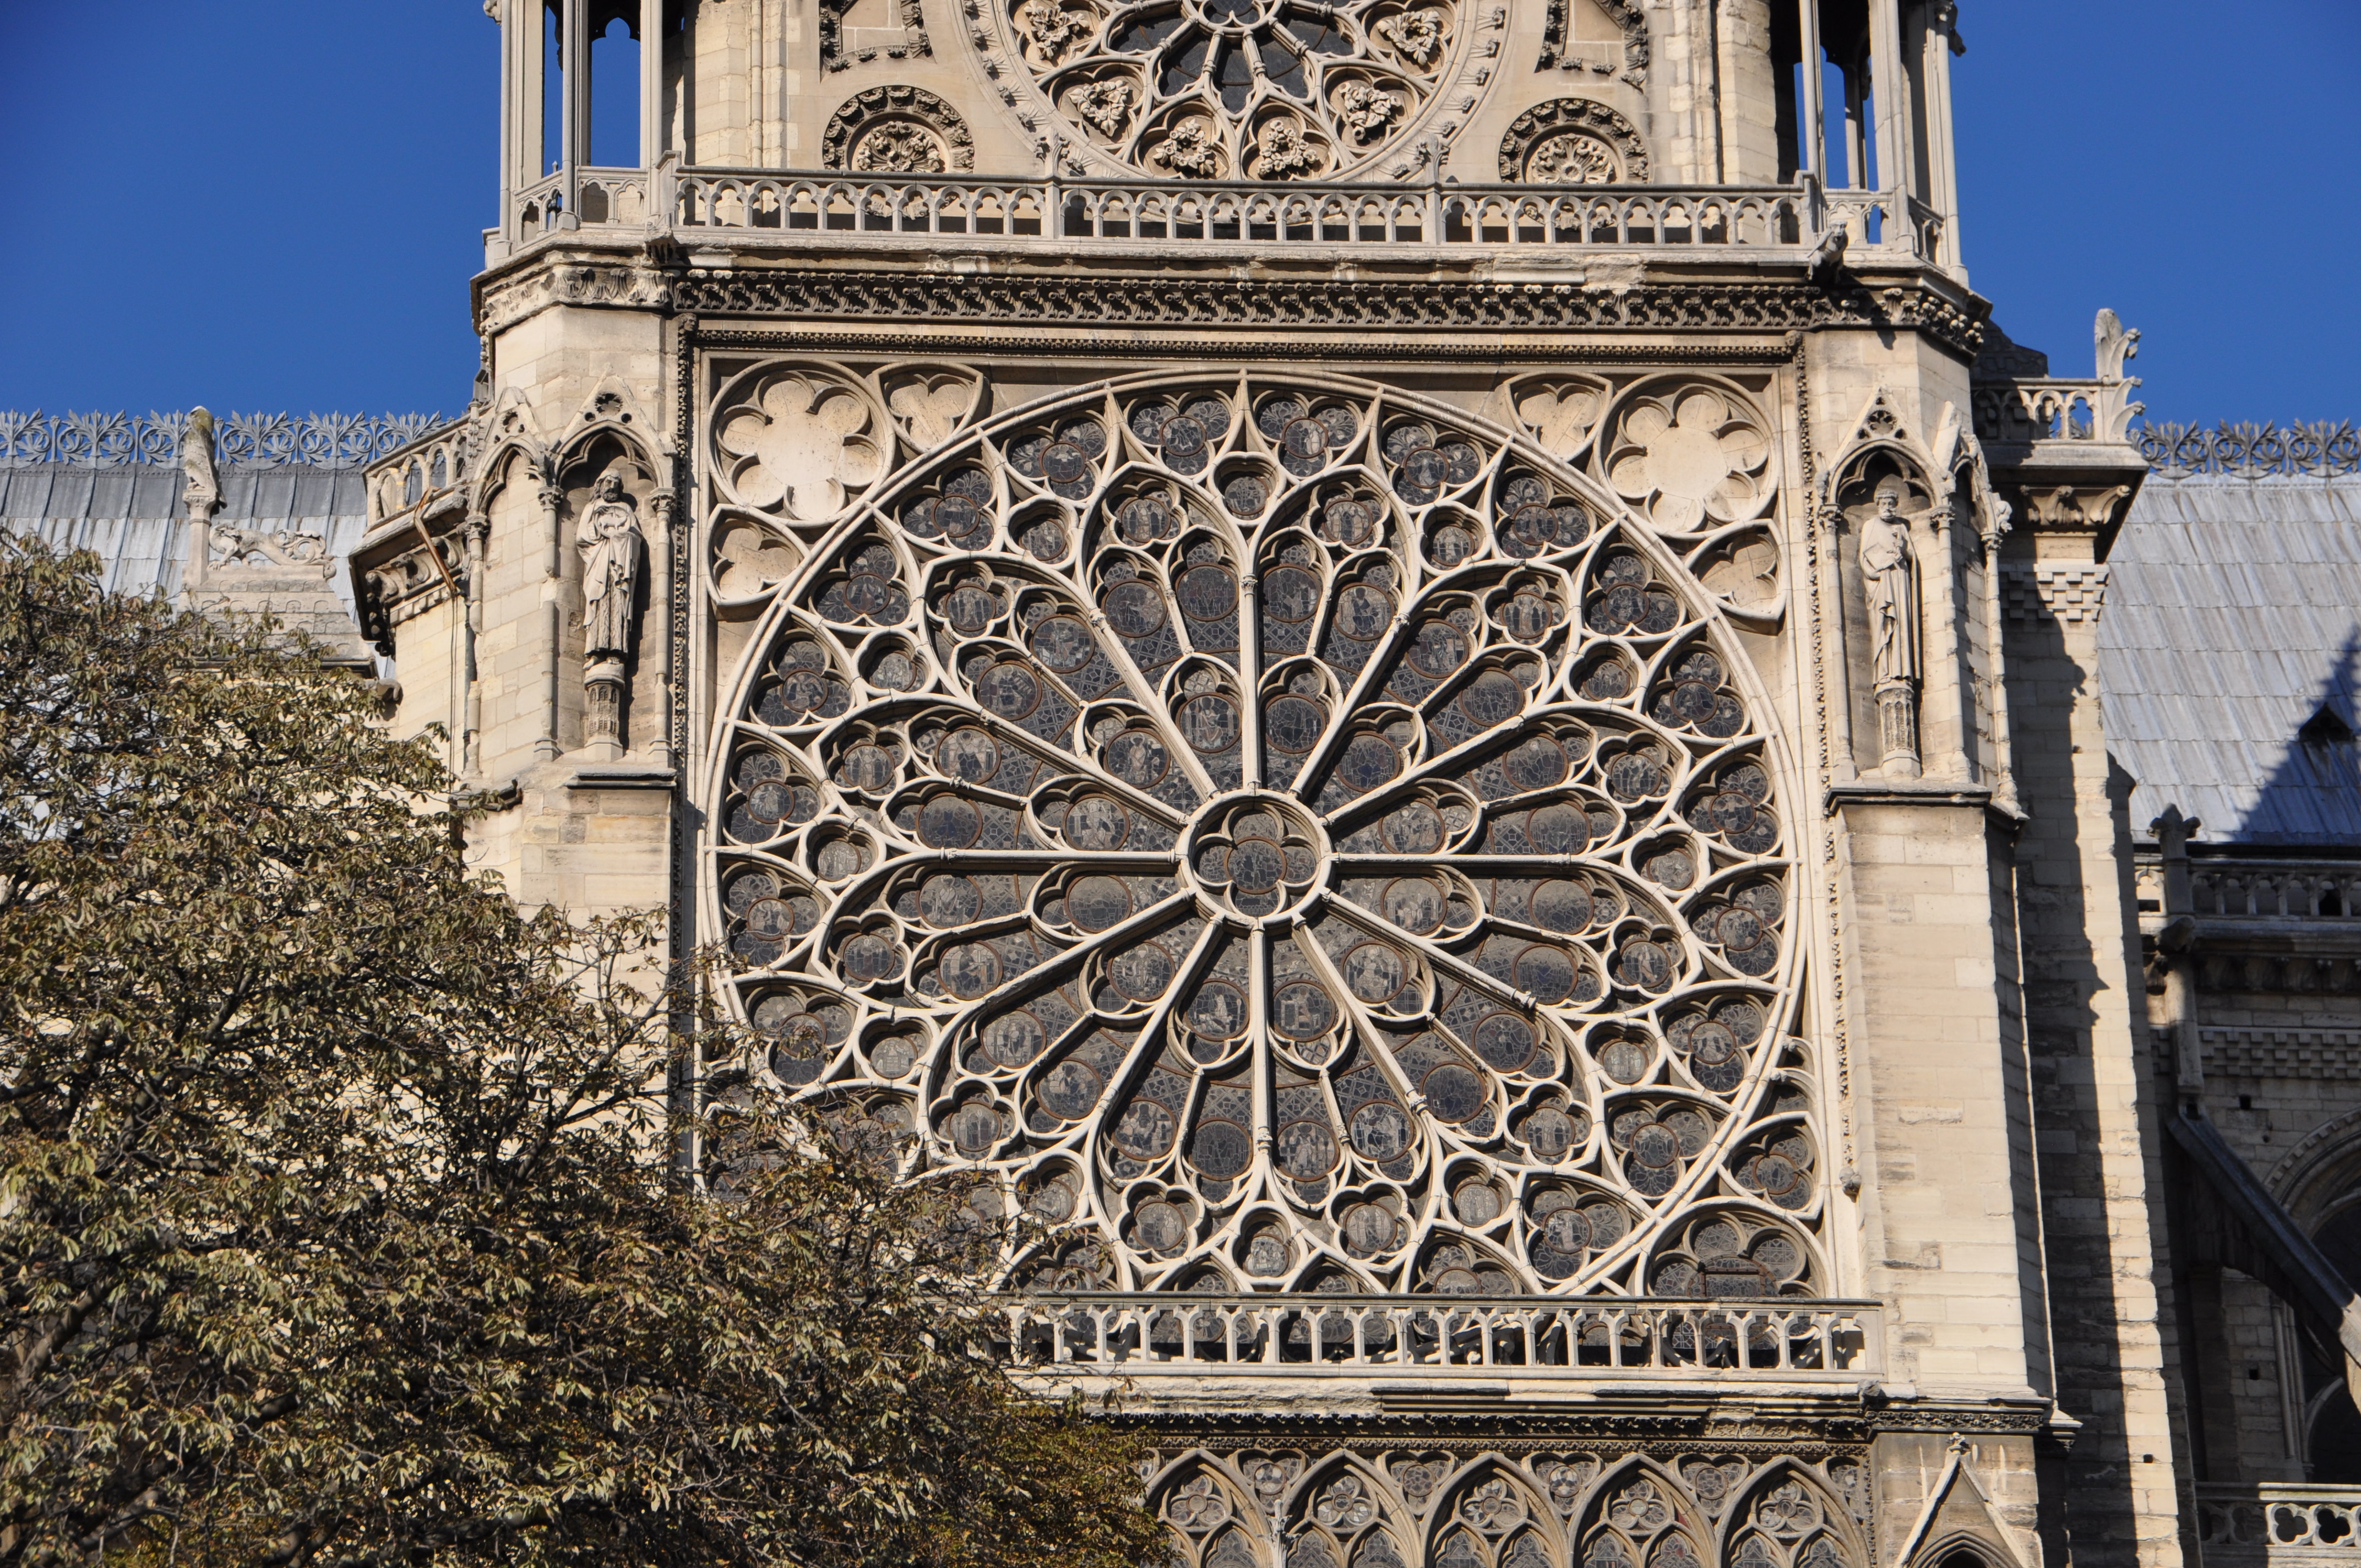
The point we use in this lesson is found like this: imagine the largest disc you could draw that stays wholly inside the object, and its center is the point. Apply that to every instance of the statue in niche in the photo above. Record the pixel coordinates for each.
(613, 551)
(1889, 571)
(1890, 593)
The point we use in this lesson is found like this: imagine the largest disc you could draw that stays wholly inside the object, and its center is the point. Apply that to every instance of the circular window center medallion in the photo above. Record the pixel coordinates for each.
(1255, 854)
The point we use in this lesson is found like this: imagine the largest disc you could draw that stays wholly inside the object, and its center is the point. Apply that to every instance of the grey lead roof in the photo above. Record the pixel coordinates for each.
(2233, 617)
(130, 515)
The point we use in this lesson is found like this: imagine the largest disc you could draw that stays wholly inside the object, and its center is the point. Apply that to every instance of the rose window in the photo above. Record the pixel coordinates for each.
(1237, 89)
(1282, 836)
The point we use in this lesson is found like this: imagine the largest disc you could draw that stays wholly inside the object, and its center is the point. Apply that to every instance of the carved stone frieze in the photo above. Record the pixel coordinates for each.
(1438, 306)
(512, 299)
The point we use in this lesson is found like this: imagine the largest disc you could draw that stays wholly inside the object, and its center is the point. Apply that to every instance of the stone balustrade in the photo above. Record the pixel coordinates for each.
(2261, 890)
(723, 203)
(1431, 1336)
(419, 470)
(601, 197)
(2053, 408)
(2279, 1525)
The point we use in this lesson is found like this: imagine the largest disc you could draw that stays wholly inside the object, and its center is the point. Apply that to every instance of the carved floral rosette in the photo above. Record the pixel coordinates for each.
(1574, 141)
(896, 130)
(1282, 833)
(1237, 89)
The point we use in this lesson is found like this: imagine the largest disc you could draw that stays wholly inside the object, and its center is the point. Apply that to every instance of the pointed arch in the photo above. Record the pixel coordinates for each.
(1347, 1515)
(1356, 1513)
(1883, 427)
(1492, 1515)
(1787, 1516)
(1209, 1510)
(1959, 1520)
(1640, 1514)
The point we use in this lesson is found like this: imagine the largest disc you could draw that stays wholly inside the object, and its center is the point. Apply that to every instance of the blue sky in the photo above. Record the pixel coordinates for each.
(277, 203)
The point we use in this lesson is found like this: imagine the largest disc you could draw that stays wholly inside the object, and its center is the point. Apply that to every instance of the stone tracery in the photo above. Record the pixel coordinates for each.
(1230, 88)
(1292, 837)
(1491, 1510)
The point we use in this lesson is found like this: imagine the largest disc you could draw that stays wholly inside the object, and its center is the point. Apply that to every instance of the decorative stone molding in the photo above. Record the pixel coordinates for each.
(2282, 1053)
(511, 300)
(1340, 305)
(2052, 594)
(2073, 509)
(1557, 31)
(2265, 968)
(1574, 141)
(896, 129)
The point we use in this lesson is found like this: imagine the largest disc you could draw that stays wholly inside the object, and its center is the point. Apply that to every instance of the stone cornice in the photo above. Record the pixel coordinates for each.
(1197, 303)
(1648, 299)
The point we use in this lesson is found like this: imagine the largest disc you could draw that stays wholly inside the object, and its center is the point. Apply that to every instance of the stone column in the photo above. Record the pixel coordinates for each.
(476, 531)
(553, 505)
(602, 725)
(2094, 1080)
(660, 555)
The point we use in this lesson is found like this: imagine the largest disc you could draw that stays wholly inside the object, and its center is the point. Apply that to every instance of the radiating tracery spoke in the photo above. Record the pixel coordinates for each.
(1298, 841)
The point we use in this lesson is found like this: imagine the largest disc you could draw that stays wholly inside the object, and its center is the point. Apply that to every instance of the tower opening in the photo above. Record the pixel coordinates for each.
(615, 88)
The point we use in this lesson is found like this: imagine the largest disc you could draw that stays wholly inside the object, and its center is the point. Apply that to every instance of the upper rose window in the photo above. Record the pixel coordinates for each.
(1237, 89)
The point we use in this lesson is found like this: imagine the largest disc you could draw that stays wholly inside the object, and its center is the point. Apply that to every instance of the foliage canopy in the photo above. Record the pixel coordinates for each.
(339, 1222)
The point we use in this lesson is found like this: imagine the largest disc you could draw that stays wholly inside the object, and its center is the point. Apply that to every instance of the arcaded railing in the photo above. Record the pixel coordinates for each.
(2261, 889)
(2279, 1525)
(691, 202)
(1422, 1336)
(423, 468)
(597, 198)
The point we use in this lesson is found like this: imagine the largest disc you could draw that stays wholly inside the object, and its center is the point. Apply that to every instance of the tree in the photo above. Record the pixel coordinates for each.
(339, 1221)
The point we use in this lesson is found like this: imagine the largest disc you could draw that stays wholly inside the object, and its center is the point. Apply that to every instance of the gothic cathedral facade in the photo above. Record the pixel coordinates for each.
(1355, 651)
